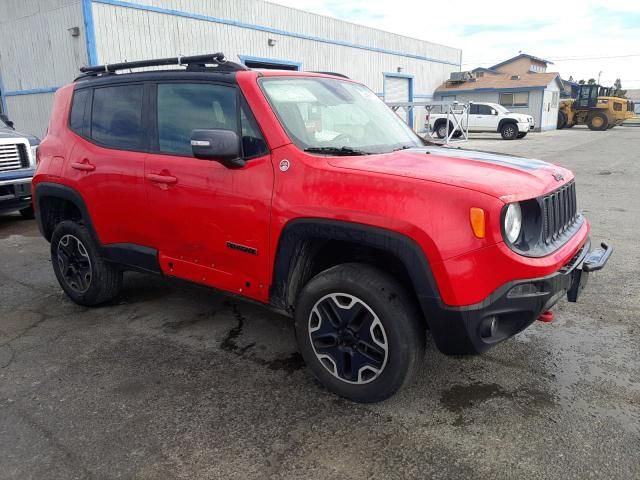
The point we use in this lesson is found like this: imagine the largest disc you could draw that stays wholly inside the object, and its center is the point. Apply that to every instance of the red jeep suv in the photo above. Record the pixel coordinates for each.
(305, 192)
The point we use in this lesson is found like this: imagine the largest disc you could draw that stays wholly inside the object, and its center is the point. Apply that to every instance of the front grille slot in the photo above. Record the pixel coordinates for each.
(559, 211)
(13, 156)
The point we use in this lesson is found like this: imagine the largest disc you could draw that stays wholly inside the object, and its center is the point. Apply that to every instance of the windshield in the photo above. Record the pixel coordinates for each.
(500, 108)
(328, 115)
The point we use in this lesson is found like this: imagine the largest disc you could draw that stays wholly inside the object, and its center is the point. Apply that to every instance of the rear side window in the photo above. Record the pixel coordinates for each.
(78, 121)
(184, 107)
(116, 119)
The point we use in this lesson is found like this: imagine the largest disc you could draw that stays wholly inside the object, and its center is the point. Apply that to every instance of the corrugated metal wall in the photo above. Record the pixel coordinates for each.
(128, 33)
(37, 53)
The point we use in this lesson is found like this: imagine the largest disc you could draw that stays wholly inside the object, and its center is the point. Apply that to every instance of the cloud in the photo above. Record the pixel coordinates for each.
(489, 33)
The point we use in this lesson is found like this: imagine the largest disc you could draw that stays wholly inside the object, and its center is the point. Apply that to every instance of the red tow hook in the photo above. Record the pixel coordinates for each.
(547, 317)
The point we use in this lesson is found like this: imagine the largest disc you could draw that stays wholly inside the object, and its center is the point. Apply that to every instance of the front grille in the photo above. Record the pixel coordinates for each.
(13, 156)
(559, 212)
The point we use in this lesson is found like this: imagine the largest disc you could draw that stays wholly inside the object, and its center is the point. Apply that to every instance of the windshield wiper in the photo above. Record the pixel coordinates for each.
(336, 150)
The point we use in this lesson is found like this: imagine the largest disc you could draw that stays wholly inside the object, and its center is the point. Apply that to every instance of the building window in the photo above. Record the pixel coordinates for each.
(519, 99)
(554, 99)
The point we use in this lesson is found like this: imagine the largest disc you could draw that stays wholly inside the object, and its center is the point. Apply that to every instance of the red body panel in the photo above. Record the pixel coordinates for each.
(424, 196)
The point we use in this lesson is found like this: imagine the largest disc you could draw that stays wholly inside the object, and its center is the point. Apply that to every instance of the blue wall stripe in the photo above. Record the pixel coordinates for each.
(89, 32)
(489, 90)
(261, 28)
(30, 91)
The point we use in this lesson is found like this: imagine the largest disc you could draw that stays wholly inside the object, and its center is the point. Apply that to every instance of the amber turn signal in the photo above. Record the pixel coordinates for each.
(476, 215)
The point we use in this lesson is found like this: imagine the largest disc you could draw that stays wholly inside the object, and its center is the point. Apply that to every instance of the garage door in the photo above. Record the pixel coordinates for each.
(396, 89)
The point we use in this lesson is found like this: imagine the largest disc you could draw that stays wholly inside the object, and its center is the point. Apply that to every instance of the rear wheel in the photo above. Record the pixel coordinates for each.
(85, 277)
(509, 131)
(359, 332)
(562, 119)
(597, 121)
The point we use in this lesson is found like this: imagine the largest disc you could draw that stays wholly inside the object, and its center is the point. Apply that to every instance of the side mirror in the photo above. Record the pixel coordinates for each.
(219, 145)
(6, 121)
(494, 112)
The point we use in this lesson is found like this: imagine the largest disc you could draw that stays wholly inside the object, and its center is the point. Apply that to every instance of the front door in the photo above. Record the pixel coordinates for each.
(483, 119)
(210, 223)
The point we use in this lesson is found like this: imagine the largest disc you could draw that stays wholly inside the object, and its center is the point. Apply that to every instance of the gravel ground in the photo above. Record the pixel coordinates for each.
(176, 381)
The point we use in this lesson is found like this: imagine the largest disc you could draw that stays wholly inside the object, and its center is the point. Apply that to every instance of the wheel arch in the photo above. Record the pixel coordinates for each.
(308, 246)
(56, 202)
(504, 122)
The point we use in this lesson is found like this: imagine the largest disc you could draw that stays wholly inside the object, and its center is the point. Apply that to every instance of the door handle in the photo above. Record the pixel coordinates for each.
(163, 179)
(83, 166)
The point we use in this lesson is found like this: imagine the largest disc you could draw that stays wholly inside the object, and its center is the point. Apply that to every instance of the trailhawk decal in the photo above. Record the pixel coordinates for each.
(493, 158)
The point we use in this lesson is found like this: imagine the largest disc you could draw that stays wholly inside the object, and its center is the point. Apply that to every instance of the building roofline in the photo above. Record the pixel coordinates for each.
(521, 55)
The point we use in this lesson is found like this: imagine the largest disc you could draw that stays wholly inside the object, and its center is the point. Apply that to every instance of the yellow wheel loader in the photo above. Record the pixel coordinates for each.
(596, 107)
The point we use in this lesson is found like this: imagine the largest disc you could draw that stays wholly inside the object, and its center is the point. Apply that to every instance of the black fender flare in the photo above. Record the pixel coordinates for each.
(290, 251)
(505, 121)
(64, 192)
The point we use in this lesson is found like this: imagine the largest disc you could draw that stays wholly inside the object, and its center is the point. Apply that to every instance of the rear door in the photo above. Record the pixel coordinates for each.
(107, 161)
(396, 90)
(209, 223)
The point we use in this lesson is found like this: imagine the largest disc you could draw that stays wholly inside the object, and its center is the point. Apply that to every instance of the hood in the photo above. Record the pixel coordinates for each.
(10, 133)
(505, 177)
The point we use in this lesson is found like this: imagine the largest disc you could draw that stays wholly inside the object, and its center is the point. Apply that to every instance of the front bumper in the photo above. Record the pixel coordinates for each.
(525, 126)
(514, 306)
(15, 190)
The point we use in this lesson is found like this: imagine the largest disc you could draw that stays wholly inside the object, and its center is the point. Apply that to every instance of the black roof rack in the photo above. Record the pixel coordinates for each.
(194, 62)
(335, 74)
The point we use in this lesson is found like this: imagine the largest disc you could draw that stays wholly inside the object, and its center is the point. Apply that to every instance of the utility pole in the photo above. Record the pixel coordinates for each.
(599, 73)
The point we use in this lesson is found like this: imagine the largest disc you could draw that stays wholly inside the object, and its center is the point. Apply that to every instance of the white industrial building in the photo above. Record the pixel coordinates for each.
(44, 42)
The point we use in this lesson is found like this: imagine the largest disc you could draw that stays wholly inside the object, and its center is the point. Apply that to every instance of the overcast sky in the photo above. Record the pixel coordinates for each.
(569, 33)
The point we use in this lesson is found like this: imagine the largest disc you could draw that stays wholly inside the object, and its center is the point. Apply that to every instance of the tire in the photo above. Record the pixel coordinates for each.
(509, 131)
(562, 120)
(522, 134)
(28, 213)
(441, 130)
(335, 308)
(83, 274)
(598, 121)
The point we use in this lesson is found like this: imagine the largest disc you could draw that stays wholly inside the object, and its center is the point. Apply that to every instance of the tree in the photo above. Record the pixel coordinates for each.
(591, 81)
(581, 82)
(617, 84)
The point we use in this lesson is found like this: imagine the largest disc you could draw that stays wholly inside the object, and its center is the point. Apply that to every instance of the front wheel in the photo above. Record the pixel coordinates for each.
(522, 134)
(509, 131)
(83, 274)
(359, 332)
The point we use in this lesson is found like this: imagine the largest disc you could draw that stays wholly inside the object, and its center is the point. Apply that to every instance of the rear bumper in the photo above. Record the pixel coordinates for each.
(513, 307)
(15, 190)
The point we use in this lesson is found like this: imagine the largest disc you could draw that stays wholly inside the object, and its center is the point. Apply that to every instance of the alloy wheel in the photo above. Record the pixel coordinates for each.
(74, 263)
(348, 338)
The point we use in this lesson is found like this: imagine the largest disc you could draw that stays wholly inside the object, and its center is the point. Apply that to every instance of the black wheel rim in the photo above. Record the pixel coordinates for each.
(348, 338)
(74, 263)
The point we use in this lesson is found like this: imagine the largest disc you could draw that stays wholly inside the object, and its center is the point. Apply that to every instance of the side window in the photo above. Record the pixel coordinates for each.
(253, 144)
(184, 107)
(77, 119)
(116, 119)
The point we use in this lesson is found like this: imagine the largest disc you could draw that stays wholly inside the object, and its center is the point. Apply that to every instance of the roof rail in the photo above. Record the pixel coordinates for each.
(335, 74)
(194, 62)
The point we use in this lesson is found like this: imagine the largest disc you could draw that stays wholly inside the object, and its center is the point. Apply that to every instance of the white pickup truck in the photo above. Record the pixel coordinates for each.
(484, 117)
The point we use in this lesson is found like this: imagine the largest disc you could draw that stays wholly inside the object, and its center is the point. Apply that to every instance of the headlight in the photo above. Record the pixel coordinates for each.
(513, 222)
(34, 149)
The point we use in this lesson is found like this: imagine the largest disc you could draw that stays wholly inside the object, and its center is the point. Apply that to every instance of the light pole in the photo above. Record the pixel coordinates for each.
(599, 73)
